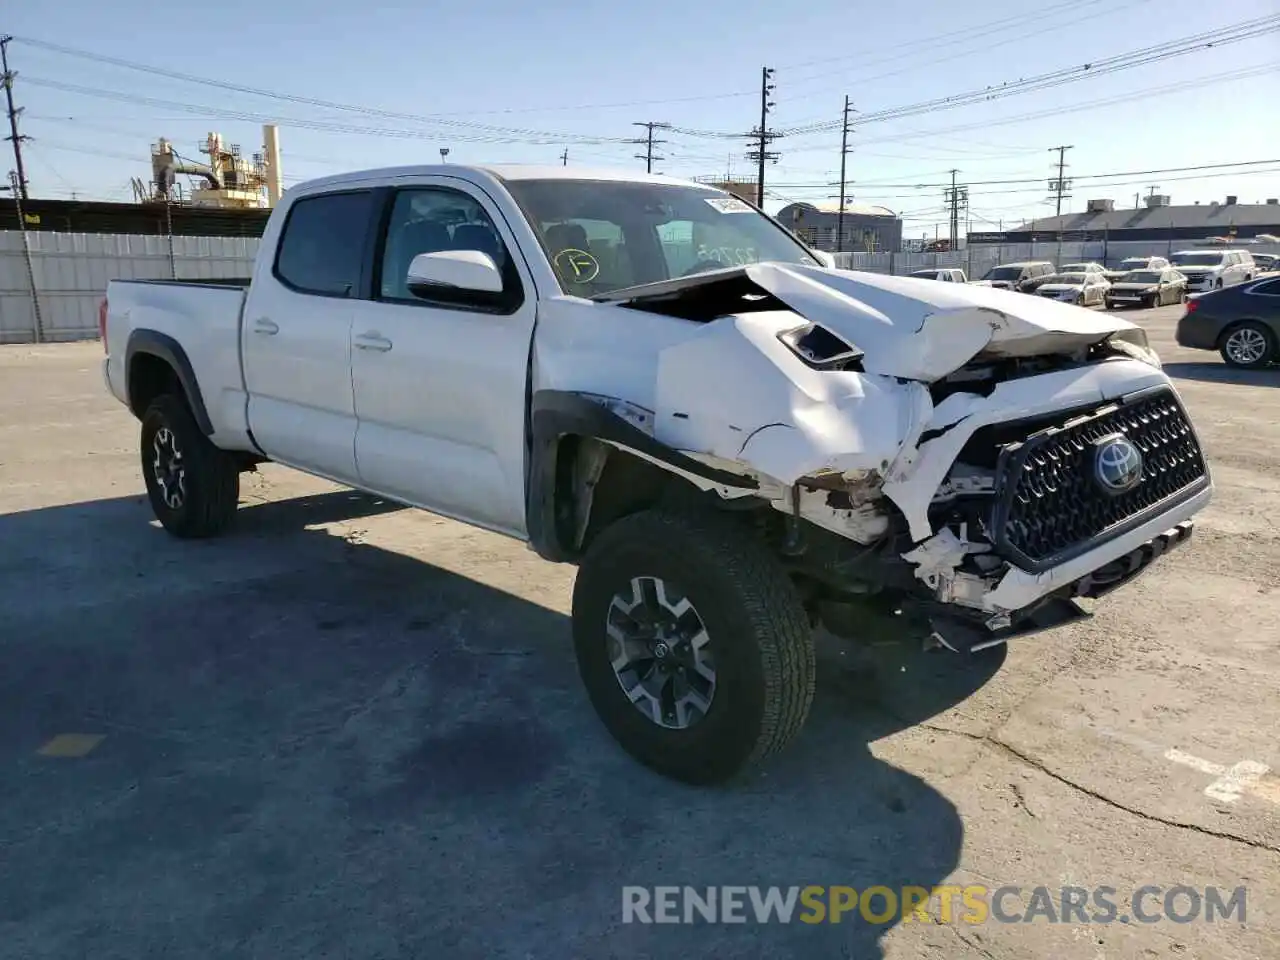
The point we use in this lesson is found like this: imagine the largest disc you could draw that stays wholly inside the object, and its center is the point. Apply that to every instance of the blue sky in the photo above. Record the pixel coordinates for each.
(495, 80)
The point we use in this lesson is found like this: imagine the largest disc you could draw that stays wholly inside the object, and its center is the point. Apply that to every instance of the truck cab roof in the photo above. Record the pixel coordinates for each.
(479, 173)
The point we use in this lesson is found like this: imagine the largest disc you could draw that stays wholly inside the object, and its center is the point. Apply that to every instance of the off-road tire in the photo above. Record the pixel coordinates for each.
(764, 649)
(211, 476)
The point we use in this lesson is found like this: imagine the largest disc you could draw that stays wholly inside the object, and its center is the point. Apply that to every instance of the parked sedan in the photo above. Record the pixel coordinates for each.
(1147, 288)
(1079, 288)
(1241, 322)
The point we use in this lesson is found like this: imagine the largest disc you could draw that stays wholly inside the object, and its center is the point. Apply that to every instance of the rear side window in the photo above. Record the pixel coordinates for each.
(323, 243)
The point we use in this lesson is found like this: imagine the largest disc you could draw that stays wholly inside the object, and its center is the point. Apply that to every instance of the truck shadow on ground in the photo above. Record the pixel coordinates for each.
(1221, 373)
(314, 745)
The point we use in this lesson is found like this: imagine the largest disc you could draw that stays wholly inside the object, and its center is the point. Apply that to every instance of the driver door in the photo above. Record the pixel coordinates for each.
(440, 387)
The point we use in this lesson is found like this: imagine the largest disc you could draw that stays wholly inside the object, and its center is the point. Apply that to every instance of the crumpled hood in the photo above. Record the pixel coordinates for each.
(923, 330)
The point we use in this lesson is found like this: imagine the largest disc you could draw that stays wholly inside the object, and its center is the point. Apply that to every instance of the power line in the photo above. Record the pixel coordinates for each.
(762, 136)
(17, 139)
(1235, 33)
(1086, 176)
(649, 143)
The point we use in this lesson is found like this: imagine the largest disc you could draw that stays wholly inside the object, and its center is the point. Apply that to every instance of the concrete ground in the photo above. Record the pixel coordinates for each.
(352, 730)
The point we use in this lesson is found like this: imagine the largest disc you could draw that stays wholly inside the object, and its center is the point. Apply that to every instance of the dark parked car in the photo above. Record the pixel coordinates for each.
(1241, 322)
(1147, 288)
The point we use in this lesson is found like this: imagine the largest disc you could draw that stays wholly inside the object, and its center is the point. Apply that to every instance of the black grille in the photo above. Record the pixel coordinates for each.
(1051, 508)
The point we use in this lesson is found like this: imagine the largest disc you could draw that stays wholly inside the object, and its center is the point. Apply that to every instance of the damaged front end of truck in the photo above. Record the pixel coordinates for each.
(979, 458)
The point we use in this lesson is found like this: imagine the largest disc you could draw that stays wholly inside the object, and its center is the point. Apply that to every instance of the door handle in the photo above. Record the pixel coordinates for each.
(267, 327)
(372, 341)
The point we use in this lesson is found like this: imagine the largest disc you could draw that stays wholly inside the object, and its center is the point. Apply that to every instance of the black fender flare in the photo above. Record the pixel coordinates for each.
(169, 350)
(554, 414)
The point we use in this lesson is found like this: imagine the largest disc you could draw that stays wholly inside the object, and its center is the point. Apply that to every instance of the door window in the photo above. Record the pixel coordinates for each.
(430, 220)
(323, 242)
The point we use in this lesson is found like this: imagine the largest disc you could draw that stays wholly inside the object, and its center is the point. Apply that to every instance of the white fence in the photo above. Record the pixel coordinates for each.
(71, 271)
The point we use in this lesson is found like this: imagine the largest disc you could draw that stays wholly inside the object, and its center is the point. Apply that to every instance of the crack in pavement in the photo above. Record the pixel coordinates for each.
(1035, 764)
(970, 944)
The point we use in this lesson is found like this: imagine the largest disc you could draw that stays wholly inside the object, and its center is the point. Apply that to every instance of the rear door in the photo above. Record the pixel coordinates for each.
(440, 386)
(297, 334)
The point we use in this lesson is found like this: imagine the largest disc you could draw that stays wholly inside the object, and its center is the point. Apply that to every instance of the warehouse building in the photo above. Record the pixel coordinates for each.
(867, 228)
(1154, 228)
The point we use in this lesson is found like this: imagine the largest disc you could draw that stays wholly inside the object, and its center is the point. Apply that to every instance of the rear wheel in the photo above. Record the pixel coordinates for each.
(1248, 345)
(692, 644)
(192, 485)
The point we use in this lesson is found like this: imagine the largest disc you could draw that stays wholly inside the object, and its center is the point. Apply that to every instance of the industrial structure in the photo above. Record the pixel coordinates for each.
(228, 179)
(866, 228)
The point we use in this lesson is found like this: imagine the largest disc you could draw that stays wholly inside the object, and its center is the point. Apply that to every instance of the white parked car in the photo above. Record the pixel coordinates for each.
(1083, 289)
(730, 455)
(1214, 269)
(1129, 264)
(1090, 267)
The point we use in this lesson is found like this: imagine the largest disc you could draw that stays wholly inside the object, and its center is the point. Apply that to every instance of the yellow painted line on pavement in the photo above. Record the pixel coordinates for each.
(71, 745)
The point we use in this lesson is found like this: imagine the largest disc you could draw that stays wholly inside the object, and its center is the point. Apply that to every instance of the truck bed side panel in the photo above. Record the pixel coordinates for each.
(204, 321)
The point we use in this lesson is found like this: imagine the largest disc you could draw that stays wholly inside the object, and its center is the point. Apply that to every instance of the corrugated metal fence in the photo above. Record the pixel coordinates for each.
(71, 271)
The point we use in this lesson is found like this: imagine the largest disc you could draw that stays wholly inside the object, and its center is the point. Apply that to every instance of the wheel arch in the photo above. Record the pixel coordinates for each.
(155, 363)
(589, 466)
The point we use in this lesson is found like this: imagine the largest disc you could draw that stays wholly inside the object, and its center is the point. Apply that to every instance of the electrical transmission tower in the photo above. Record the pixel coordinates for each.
(17, 139)
(762, 136)
(649, 143)
(1060, 185)
(844, 153)
(955, 198)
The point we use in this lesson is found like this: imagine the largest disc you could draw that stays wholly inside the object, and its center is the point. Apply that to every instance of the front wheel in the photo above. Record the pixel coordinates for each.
(692, 644)
(193, 486)
(1248, 346)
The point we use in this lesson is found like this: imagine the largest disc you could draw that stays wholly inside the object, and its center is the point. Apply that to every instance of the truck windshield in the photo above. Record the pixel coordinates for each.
(603, 235)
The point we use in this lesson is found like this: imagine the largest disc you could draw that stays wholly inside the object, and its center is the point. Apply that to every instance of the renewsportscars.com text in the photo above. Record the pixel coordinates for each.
(971, 904)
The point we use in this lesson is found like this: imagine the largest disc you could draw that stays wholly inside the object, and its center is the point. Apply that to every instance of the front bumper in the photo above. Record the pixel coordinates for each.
(1199, 284)
(967, 633)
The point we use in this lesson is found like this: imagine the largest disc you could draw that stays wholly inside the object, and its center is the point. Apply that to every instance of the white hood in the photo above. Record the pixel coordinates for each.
(922, 330)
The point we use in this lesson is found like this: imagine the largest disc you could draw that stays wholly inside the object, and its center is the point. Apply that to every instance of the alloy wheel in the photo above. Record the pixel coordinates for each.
(168, 468)
(661, 653)
(1246, 346)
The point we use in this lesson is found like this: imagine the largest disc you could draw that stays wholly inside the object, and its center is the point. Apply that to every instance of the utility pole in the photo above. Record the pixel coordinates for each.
(1151, 190)
(649, 143)
(564, 158)
(1060, 186)
(956, 198)
(761, 136)
(844, 153)
(14, 137)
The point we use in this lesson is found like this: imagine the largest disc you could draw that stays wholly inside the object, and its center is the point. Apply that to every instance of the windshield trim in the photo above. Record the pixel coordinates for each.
(531, 220)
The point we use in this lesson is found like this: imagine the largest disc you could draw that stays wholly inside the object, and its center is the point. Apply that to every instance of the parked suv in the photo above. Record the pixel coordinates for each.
(1214, 269)
(1017, 276)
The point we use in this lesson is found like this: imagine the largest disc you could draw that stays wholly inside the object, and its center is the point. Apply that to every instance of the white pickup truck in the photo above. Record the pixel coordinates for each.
(653, 380)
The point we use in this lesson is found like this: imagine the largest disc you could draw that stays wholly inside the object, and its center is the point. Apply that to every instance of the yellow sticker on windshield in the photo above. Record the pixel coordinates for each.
(576, 266)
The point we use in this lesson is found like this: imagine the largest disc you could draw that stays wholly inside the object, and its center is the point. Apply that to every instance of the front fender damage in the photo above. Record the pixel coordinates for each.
(852, 440)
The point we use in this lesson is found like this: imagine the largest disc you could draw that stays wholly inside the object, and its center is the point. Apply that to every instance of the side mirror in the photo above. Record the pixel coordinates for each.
(454, 275)
(826, 259)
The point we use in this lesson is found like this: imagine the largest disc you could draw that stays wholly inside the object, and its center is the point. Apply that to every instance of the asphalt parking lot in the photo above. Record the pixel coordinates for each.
(353, 730)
